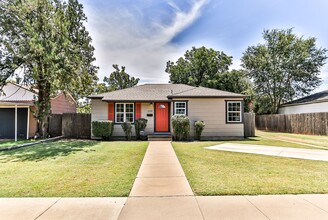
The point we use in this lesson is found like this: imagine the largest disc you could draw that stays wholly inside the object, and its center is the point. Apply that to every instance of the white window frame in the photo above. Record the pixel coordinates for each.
(175, 108)
(124, 111)
(240, 112)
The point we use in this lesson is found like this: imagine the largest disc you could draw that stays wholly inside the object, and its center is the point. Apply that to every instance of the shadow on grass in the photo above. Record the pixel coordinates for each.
(47, 150)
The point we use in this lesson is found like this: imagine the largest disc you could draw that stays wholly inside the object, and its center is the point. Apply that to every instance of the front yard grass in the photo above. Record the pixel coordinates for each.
(212, 172)
(71, 169)
(302, 139)
(9, 143)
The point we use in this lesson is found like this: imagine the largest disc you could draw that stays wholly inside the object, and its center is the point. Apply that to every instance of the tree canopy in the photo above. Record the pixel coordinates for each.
(209, 68)
(47, 43)
(198, 66)
(117, 80)
(283, 68)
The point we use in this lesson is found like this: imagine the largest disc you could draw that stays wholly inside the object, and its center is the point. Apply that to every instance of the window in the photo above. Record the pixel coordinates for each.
(234, 111)
(180, 108)
(124, 112)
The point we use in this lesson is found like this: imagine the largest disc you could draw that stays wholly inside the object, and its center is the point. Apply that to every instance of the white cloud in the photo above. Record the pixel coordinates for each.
(123, 37)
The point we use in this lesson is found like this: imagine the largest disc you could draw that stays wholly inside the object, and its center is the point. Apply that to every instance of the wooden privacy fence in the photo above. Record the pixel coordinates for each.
(55, 125)
(307, 123)
(249, 124)
(70, 125)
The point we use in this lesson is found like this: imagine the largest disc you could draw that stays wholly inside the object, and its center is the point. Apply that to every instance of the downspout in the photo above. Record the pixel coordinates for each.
(28, 123)
(15, 122)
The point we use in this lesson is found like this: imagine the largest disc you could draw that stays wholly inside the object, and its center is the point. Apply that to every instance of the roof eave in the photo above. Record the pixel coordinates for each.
(241, 96)
(126, 100)
(303, 103)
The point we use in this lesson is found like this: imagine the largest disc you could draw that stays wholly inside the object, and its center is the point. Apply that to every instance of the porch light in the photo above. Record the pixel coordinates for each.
(161, 106)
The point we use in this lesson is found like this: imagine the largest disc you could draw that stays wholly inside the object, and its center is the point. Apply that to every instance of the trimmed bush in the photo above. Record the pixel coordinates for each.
(140, 125)
(103, 129)
(127, 128)
(199, 126)
(181, 127)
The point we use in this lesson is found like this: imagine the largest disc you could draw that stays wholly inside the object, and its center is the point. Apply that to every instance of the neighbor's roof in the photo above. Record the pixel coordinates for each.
(16, 93)
(162, 92)
(314, 98)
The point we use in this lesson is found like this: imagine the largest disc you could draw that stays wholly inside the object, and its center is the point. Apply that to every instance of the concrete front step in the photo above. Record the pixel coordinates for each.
(160, 137)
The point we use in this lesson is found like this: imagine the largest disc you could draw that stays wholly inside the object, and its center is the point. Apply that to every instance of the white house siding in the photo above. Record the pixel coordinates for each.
(213, 112)
(99, 111)
(305, 108)
(147, 108)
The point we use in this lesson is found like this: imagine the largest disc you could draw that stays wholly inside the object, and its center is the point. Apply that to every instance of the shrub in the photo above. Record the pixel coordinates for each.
(103, 129)
(199, 126)
(140, 125)
(127, 128)
(181, 127)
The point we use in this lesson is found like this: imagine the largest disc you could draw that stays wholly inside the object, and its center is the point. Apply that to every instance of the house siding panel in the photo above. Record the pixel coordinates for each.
(308, 108)
(148, 108)
(212, 111)
(62, 104)
(33, 123)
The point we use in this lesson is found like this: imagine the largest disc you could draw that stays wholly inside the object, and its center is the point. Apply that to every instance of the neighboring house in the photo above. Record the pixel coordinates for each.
(21, 98)
(317, 102)
(221, 111)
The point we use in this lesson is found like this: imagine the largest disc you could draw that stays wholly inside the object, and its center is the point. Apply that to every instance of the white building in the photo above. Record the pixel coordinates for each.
(317, 102)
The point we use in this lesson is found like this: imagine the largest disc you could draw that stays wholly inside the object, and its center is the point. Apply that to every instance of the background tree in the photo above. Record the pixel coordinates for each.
(119, 79)
(283, 68)
(209, 68)
(47, 42)
(234, 81)
(198, 66)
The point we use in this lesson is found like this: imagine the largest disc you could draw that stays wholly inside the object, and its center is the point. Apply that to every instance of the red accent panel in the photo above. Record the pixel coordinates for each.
(162, 117)
(111, 111)
(138, 110)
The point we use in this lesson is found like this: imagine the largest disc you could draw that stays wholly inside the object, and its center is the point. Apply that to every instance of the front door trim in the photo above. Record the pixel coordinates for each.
(169, 116)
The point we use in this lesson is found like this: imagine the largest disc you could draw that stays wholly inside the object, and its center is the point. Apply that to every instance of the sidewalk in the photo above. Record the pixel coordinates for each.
(161, 191)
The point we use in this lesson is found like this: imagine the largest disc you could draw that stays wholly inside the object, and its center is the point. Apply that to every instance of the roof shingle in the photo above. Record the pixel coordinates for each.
(162, 92)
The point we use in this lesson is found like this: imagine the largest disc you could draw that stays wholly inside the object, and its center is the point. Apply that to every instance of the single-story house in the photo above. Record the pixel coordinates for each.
(221, 111)
(16, 98)
(317, 102)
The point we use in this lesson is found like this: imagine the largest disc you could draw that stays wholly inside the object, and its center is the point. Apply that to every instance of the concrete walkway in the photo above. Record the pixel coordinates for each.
(161, 191)
(300, 153)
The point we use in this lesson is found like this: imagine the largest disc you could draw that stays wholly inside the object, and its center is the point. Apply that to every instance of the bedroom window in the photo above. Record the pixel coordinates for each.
(180, 108)
(124, 112)
(234, 111)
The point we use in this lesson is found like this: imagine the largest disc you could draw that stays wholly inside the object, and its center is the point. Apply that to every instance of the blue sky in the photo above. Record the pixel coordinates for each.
(144, 34)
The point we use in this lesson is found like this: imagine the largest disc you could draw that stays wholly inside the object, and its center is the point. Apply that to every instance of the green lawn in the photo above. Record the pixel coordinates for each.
(212, 172)
(71, 169)
(10, 143)
(303, 140)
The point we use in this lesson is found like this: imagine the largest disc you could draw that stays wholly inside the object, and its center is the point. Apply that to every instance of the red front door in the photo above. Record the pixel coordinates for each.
(162, 117)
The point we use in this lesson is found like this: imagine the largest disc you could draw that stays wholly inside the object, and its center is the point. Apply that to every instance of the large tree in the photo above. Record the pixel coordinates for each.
(209, 68)
(46, 41)
(198, 66)
(117, 80)
(284, 67)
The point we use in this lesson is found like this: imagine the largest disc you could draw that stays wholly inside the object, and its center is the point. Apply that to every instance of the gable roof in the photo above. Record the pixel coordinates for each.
(15, 93)
(162, 92)
(314, 98)
(19, 94)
